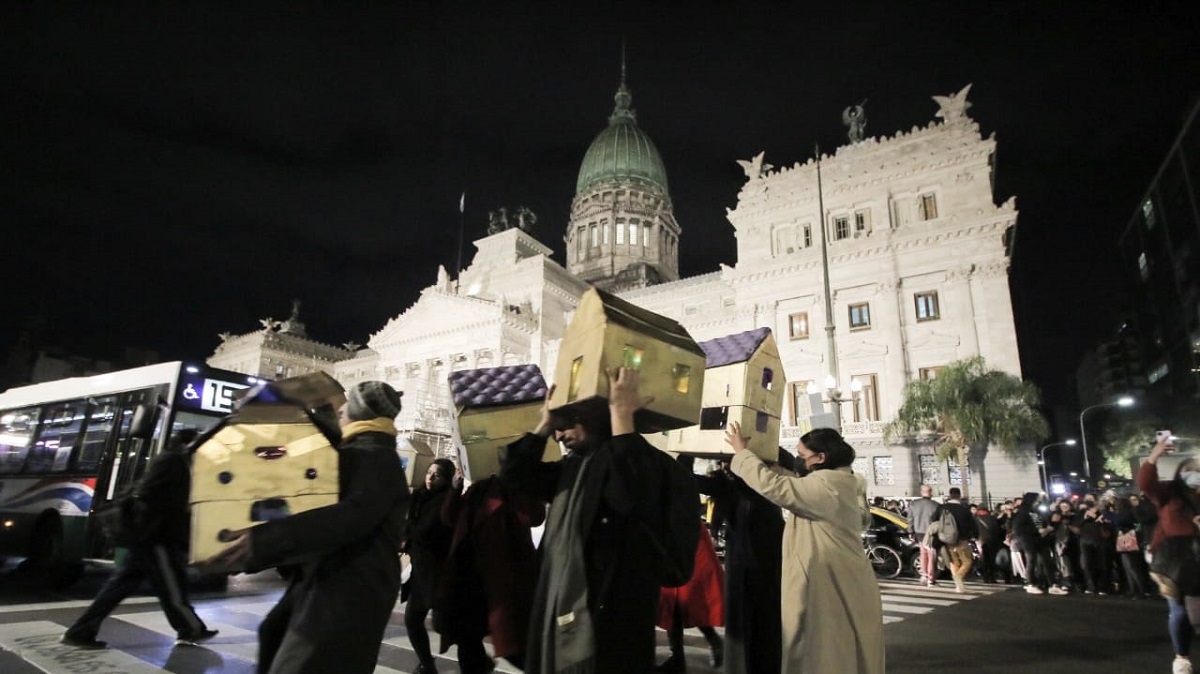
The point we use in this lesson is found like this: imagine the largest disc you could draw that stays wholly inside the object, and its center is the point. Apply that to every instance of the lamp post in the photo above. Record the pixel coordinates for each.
(835, 396)
(1123, 401)
(1042, 460)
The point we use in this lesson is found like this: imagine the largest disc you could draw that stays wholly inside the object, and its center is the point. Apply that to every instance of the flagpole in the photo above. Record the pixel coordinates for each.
(462, 200)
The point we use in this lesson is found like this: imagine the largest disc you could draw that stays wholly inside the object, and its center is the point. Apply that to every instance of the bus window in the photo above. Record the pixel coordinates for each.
(16, 435)
(51, 451)
(101, 421)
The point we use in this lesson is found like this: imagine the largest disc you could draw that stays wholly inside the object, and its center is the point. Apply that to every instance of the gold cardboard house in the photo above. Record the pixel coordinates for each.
(271, 458)
(494, 407)
(416, 457)
(608, 332)
(743, 382)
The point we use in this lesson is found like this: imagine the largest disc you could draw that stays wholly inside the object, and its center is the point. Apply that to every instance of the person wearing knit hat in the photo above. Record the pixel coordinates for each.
(371, 400)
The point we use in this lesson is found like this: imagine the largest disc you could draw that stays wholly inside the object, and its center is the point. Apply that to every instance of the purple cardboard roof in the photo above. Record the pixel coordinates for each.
(507, 385)
(733, 348)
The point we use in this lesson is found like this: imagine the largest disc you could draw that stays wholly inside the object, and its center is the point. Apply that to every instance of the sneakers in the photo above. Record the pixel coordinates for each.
(1055, 589)
(717, 656)
(1034, 589)
(1181, 666)
(958, 586)
(195, 639)
(93, 645)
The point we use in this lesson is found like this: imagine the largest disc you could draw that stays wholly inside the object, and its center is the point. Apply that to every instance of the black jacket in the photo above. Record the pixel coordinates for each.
(165, 488)
(962, 517)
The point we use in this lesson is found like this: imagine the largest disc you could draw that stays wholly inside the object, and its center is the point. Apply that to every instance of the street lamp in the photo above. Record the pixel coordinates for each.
(835, 396)
(1123, 401)
(1042, 460)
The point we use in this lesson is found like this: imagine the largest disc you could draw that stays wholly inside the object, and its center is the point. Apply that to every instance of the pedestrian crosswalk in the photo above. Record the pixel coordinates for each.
(142, 642)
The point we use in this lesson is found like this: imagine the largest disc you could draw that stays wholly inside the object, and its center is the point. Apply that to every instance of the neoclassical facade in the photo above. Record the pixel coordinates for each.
(916, 273)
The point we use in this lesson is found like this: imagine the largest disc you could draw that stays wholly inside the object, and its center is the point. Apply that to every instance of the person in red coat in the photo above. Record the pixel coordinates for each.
(490, 574)
(698, 603)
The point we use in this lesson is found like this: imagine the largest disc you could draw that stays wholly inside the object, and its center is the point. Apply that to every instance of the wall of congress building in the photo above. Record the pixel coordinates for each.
(917, 272)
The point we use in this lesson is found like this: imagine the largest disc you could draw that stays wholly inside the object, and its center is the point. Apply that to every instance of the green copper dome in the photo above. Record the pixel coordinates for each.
(622, 153)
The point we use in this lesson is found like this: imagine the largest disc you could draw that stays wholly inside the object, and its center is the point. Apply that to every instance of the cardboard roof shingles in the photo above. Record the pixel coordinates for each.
(733, 348)
(506, 385)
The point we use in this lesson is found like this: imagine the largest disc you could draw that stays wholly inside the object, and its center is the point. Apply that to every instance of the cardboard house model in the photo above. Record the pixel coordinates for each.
(415, 457)
(743, 382)
(496, 406)
(607, 332)
(268, 459)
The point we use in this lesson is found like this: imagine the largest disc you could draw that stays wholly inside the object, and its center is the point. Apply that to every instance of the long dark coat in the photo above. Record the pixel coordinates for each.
(427, 542)
(338, 603)
(623, 570)
(753, 568)
(491, 571)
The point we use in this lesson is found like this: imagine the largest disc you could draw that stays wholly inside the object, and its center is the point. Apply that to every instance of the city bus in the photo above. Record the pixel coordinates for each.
(68, 446)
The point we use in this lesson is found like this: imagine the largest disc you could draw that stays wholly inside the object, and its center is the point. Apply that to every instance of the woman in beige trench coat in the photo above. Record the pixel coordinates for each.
(831, 611)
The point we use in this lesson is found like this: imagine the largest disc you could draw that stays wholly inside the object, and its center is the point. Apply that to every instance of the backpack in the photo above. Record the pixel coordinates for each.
(127, 519)
(947, 527)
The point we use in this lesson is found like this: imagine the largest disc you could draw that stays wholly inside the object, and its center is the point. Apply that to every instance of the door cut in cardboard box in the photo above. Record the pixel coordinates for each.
(606, 333)
(265, 461)
(416, 457)
(494, 407)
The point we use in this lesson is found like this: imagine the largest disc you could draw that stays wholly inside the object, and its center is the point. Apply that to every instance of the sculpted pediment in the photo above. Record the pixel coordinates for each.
(438, 310)
(933, 339)
(862, 349)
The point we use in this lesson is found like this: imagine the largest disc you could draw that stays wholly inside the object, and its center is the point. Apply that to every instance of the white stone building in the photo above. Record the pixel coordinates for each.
(917, 274)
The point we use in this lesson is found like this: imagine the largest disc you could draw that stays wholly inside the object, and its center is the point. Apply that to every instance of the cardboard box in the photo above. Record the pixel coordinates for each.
(416, 457)
(743, 382)
(607, 333)
(266, 460)
(494, 407)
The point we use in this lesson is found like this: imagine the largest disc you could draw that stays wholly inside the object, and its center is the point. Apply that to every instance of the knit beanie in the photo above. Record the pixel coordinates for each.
(370, 400)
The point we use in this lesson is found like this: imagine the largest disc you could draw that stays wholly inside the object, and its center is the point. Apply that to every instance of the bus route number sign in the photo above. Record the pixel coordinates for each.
(212, 395)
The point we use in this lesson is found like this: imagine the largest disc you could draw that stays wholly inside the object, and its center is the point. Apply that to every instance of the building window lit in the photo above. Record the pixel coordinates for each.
(867, 407)
(928, 373)
(798, 325)
(860, 316)
(931, 470)
(633, 233)
(927, 206)
(862, 222)
(620, 231)
(927, 306)
(798, 394)
(956, 472)
(884, 475)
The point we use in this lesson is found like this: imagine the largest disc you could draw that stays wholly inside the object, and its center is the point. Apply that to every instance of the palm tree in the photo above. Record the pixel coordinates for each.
(966, 409)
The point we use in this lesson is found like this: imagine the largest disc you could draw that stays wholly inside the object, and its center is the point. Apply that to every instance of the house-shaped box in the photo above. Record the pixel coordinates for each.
(607, 332)
(495, 406)
(270, 458)
(743, 382)
(416, 457)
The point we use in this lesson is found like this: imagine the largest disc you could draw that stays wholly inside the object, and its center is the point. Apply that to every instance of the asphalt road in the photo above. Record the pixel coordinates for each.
(928, 631)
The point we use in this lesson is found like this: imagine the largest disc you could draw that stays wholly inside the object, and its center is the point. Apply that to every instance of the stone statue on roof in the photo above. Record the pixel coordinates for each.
(497, 220)
(953, 107)
(754, 168)
(854, 118)
(526, 219)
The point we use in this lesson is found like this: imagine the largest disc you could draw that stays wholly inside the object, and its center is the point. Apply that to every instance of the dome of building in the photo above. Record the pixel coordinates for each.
(622, 153)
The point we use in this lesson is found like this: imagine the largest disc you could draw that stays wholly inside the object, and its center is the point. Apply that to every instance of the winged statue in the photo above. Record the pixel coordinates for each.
(854, 118)
(754, 168)
(269, 323)
(954, 106)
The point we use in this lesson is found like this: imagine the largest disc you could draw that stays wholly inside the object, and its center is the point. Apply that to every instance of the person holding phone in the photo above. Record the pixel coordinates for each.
(1175, 566)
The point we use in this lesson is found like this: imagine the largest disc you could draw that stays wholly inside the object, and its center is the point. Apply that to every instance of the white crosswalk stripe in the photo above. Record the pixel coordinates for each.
(37, 641)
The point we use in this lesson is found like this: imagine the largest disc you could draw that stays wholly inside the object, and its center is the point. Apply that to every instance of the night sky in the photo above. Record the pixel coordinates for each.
(174, 173)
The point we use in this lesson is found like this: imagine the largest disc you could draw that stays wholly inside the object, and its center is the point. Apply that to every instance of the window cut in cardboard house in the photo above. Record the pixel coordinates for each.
(272, 457)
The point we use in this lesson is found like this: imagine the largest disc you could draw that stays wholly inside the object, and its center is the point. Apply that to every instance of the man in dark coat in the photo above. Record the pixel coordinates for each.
(603, 556)
(160, 556)
(347, 568)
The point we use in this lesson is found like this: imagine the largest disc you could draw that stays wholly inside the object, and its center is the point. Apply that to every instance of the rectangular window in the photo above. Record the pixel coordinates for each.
(768, 378)
(860, 316)
(101, 422)
(595, 235)
(867, 407)
(927, 206)
(576, 375)
(841, 227)
(646, 236)
(620, 232)
(632, 357)
(860, 466)
(956, 472)
(931, 470)
(714, 418)
(927, 306)
(61, 427)
(884, 475)
(633, 233)
(808, 236)
(862, 222)
(681, 376)
(798, 394)
(928, 373)
(798, 325)
(761, 422)
(16, 435)
(604, 232)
